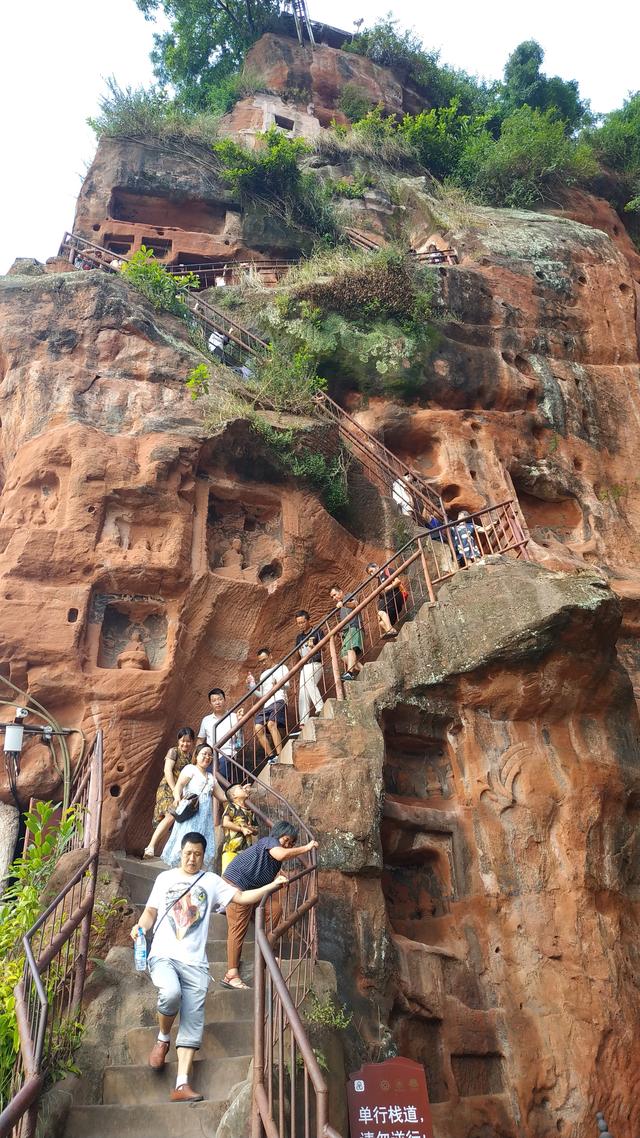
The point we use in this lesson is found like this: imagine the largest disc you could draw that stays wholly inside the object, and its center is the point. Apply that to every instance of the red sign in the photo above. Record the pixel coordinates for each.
(389, 1100)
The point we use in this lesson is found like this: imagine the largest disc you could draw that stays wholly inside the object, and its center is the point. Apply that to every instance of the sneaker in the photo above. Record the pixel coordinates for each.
(185, 1094)
(294, 734)
(346, 676)
(273, 761)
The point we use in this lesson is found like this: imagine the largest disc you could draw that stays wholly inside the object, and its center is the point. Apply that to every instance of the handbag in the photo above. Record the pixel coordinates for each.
(187, 808)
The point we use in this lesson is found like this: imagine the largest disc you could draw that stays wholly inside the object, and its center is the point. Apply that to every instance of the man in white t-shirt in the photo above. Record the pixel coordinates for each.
(179, 907)
(216, 726)
(274, 712)
(402, 496)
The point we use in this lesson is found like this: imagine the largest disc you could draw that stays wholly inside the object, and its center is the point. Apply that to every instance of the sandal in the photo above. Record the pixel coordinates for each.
(391, 635)
(235, 982)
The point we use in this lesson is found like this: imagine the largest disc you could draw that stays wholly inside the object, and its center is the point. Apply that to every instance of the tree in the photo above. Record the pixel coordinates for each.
(525, 85)
(207, 41)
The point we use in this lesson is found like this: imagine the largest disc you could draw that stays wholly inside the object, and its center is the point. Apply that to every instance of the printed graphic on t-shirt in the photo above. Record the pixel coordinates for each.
(186, 912)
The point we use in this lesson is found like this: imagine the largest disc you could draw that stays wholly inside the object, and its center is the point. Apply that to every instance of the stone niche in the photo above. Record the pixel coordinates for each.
(135, 527)
(192, 214)
(127, 632)
(33, 503)
(245, 539)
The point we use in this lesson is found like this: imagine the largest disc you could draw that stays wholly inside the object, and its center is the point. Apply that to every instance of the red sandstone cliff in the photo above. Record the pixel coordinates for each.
(477, 799)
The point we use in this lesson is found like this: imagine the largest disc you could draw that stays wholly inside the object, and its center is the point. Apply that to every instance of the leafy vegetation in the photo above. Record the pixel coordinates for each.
(354, 102)
(136, 113)
(530, 161)
(371, 322)
(291, 453)
(206, 42)
(20, 906)
(166, 291)
(327, 1013)
(616, 143)
(272, 176)
(525, 85)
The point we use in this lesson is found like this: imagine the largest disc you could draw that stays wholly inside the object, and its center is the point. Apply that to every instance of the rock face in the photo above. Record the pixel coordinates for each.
(478, 815)
(478, 796)
(119, 521)
(173, 203)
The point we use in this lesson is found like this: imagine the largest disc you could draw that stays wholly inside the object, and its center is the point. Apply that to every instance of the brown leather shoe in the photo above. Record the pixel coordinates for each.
(158, 1055)
(185, 1094)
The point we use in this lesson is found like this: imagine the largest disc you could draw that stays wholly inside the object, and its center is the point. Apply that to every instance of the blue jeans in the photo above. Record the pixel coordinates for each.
(182, 988)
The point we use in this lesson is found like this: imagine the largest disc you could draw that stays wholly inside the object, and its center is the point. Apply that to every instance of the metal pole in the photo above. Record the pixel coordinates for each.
(335, 668)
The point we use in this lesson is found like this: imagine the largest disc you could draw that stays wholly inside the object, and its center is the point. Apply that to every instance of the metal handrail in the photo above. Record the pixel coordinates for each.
(213, 318)
(283, 966)
(502, 520)
(61, 933)
(368, 446)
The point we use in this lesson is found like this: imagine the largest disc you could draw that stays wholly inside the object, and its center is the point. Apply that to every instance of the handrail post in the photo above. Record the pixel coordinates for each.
(257, 1129)
(425, 570)
(335, 667)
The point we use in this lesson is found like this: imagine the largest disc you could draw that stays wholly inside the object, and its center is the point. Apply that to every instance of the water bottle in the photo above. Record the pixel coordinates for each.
(140, 951)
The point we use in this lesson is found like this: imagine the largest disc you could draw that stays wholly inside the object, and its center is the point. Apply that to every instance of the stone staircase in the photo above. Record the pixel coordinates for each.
(135, 1099)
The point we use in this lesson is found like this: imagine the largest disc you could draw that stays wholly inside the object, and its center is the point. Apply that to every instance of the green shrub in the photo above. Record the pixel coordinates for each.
(528, 162)
(286, 380)
(616, 143)
(166, 291)
(405, 54)
(292, 456)
(351, 188)
(327, 1013)
(228, 90)
(271, 176)
(371, 323)
(140, 114)
(354, 102)
(440, 135)
(198, 380)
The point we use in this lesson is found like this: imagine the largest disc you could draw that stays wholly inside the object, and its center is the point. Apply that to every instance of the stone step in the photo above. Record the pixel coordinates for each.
(158, 1120)
(220, 1040)
(137, 1084)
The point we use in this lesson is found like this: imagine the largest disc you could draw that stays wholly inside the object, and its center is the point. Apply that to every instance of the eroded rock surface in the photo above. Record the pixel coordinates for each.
(491, 852)
(118, 519)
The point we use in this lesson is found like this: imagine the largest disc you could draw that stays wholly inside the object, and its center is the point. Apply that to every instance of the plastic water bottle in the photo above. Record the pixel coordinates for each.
(140, 951)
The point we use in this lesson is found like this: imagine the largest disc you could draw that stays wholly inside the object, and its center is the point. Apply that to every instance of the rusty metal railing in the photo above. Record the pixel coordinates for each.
(211, 273)
(382, 466)
(86, 254)
(290, 1092)
(49, 994)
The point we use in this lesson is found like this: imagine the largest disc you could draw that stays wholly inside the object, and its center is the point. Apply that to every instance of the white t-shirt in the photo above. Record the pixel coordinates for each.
(182, 934)
(197, 782)
(213, 728)
(269, 679)
(402, 495)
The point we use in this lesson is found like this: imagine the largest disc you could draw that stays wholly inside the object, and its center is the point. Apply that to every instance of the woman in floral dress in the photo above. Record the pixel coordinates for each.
(175, 761)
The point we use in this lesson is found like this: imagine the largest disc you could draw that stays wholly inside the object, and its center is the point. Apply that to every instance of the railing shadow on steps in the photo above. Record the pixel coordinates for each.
(289, 1091)
(383, 467)
(49, 994)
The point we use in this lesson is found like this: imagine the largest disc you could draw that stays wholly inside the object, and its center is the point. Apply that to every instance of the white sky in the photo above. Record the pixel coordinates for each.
(55, 54)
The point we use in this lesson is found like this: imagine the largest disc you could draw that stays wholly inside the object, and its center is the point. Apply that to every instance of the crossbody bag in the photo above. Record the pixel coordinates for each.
(152, 932)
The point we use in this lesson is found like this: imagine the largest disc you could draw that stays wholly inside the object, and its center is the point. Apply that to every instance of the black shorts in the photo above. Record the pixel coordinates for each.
(276, 713)
(392, 603)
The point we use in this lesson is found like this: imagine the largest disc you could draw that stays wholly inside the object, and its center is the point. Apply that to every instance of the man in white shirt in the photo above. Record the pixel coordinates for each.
(311, 675)
(216, 726)
(402, 496)
(274, 712)
(179, 907)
